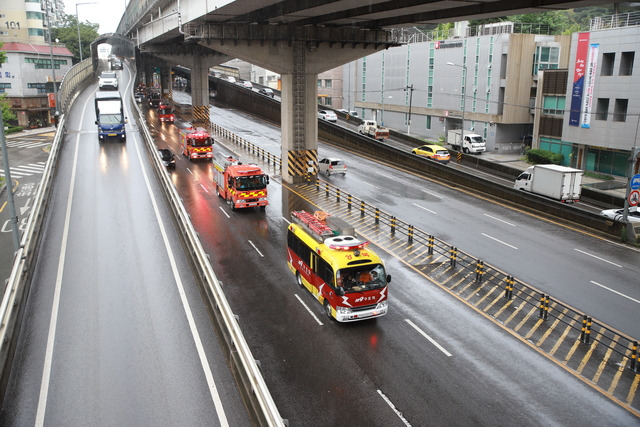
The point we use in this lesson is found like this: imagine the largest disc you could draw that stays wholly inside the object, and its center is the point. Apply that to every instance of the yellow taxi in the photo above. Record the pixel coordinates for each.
(433, 152)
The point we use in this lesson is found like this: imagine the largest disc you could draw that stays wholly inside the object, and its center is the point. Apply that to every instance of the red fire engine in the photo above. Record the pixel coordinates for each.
(196, 143)
(242, 186)
(165, 113)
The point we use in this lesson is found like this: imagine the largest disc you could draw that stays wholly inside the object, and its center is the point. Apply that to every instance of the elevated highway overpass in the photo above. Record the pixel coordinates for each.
(295, 39)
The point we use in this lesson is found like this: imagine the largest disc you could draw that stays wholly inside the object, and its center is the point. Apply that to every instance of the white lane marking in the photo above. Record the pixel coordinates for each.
(286, 220)
(422, 207)
(372, 185)
(307, 308)
(213, 389)
(432, 194)
(46, 372)
(616, 292)
(398, 413)
(598, 258)
(501, 220)
(189, 170)
(257, 250)
(424, 334)
(226, 214)
(386, 176)
(207, 191)
(499, 241)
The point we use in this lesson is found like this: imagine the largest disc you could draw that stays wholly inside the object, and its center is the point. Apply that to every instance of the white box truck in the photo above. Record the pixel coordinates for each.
(473, 143)
(558, 182)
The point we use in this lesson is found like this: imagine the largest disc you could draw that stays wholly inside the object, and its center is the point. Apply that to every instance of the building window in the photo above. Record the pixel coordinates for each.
(36, 32)
(34, 15)
(626, 63)
(328, 83)
(41, 63)
(327, 101)
(553, 105)
(428, 122)
(319, 83)
(545, 58)
(602, 108)
(607, 64)
(620, 110)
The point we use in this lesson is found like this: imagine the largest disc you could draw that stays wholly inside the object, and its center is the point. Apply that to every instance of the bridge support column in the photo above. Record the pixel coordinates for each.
(200, 92)
(299, 100)
(166, 83)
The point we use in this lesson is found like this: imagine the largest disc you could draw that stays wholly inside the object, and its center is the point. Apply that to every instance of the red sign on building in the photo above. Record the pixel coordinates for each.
(52, 100)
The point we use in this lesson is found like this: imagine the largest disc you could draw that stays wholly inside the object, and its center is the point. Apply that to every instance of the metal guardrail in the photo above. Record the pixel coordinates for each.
(252, 148)
(263, 409)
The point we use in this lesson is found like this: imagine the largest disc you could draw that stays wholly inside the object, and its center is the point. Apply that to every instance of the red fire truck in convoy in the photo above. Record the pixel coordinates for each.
(346, 277)
(196, 143)
(241, 185)
(165, 113)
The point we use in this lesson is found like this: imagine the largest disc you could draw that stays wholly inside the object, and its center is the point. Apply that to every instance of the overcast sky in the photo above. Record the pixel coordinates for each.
(107, 13)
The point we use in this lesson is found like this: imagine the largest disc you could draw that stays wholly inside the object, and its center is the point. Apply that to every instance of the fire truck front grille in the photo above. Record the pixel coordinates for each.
(363, 308)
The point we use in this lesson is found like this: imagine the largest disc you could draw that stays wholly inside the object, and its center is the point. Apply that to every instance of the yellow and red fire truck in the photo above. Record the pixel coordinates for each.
(196, 143)
(345, 276)
(241, 185)
(165, 113)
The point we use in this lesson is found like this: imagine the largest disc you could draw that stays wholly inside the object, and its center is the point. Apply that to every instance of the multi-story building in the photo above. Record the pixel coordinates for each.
(488, 75)
(33, 64)
(601, 117)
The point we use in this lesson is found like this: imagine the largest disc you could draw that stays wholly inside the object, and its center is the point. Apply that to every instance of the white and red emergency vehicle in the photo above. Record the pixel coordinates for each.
(165, 113)
(241, 185)
(196, 143)
(344, 275)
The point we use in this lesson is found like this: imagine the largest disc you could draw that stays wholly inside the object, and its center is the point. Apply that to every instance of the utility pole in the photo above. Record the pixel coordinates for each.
(410, 89)
(9, 184)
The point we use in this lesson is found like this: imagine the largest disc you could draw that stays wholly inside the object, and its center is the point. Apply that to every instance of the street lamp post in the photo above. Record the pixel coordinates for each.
(78, 22)
(382, 118)
(410, 89)
(462, 93)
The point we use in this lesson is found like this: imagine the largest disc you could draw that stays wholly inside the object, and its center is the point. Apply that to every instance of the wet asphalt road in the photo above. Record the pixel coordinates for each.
(122, 341)
(114, 320)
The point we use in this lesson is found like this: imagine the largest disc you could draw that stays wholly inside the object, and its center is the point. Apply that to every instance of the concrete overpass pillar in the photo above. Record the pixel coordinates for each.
(299, 105)
(166, 83)
(200, 91)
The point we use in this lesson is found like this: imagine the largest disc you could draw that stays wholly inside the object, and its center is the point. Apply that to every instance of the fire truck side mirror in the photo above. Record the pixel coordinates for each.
(340, 290)
(267, 176)
(388, 278)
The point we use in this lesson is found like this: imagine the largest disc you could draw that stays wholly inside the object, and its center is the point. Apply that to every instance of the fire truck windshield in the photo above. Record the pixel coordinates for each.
(363, 278)
(200, 142)
(253, 182)
(166, 110)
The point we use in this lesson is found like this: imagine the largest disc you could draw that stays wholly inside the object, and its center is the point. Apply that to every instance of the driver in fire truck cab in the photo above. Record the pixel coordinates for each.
(358, 279)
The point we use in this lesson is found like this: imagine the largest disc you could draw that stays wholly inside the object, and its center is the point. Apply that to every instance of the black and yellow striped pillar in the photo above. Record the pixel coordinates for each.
(302, 163)
(201, 115)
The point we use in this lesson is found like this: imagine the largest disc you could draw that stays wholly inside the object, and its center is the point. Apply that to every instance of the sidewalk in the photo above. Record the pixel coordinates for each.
(31, 132)
(616, 186)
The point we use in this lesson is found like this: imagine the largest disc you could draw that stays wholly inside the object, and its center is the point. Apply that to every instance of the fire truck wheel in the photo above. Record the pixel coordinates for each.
(233, 205)
(218, 191)
(327, 309)
(299, 279)
(263, 208)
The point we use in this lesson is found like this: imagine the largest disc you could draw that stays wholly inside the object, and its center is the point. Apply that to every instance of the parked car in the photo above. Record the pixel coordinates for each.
(246, 83)
(433, 152)
(331, 166)
(266, 91)
(108, 80)
(327, 115)
(617, 214)
(167, 157)
(230, 79)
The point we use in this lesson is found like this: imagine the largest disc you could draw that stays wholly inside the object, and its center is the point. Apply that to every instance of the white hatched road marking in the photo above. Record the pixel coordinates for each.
(25, 170)
(21, 143)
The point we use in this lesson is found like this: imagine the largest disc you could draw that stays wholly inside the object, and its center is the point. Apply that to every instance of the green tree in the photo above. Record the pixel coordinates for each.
(67, 33)
(3, 54)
